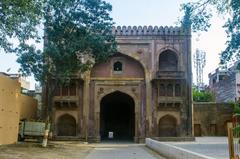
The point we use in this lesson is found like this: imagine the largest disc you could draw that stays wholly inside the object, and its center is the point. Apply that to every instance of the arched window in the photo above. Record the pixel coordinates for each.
(167, 126)
(161, 90)
(177, 90)
(72, 88)
(57, 91)
(66, 126)
(64, 90)
(168, 61)
(118, 66)
(170, 90)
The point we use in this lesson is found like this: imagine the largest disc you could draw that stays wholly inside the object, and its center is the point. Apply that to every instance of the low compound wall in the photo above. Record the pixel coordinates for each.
(210, 118)
(14, 106)
(173, 152)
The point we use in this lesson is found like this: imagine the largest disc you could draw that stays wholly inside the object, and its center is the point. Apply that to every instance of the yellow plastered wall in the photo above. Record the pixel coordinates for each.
(9, 110)
(13, 107)
(28, 107)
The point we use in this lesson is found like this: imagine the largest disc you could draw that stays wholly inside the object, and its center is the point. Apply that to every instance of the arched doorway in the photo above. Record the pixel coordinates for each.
(167, 126)
(117, 116)
(66, 126)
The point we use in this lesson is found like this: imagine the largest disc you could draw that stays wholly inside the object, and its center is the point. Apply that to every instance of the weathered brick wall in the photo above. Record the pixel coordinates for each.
(212, 118)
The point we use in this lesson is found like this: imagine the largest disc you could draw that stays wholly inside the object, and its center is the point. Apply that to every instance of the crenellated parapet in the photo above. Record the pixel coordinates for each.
(149, 30)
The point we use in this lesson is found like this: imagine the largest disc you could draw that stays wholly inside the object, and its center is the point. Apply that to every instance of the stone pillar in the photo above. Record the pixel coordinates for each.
(189, 107)
(142, 112)
(148, 103)
(80, 129)
(86, 105)
(136, 136)
(154, 110)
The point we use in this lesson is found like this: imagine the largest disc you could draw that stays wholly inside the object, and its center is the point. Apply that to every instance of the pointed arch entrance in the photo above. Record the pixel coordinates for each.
(66, 125)
(167, 126)
(117, 116)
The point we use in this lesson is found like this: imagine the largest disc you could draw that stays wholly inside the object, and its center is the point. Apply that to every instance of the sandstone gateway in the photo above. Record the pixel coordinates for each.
(144, 90)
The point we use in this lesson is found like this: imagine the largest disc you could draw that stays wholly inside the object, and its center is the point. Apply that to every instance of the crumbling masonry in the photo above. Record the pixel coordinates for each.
(144, 90)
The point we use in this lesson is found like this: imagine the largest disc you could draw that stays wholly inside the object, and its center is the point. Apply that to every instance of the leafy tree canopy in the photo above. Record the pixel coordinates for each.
(18, 19)
(202, 96)
(78, 33)
(198, 14)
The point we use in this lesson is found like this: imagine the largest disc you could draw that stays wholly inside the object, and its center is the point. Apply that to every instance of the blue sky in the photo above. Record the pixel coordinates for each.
(160, 13)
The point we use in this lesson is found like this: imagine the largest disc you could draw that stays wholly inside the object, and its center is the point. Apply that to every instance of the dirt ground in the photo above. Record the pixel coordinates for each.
(55, 150)
(75, 150)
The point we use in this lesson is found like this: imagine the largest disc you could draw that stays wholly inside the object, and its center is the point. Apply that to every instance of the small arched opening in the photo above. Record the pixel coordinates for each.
(117, 66)
(167, 126)
(66, 125)
(170, 90)
(177, 90)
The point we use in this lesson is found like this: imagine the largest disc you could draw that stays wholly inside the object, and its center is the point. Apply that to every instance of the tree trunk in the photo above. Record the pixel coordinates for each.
(47, 117)
(50, 89)
(45, 137)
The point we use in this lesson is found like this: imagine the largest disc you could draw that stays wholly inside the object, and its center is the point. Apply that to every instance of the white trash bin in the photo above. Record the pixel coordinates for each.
(110, 135)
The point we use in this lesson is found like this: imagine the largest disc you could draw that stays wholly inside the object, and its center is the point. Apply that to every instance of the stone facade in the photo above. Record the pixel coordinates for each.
(144, 90)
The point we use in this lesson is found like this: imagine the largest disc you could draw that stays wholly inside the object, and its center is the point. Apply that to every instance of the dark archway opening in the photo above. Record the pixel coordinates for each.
(117, 66)
(117, 116)
(66, 126)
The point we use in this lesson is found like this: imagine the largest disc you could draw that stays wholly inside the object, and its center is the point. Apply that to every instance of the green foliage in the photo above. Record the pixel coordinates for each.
(236, 107)
(233, 30)
(78, 33)
(19, 19)
(202, 96)
(236, 110)
(198, 15)
(195, 18)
